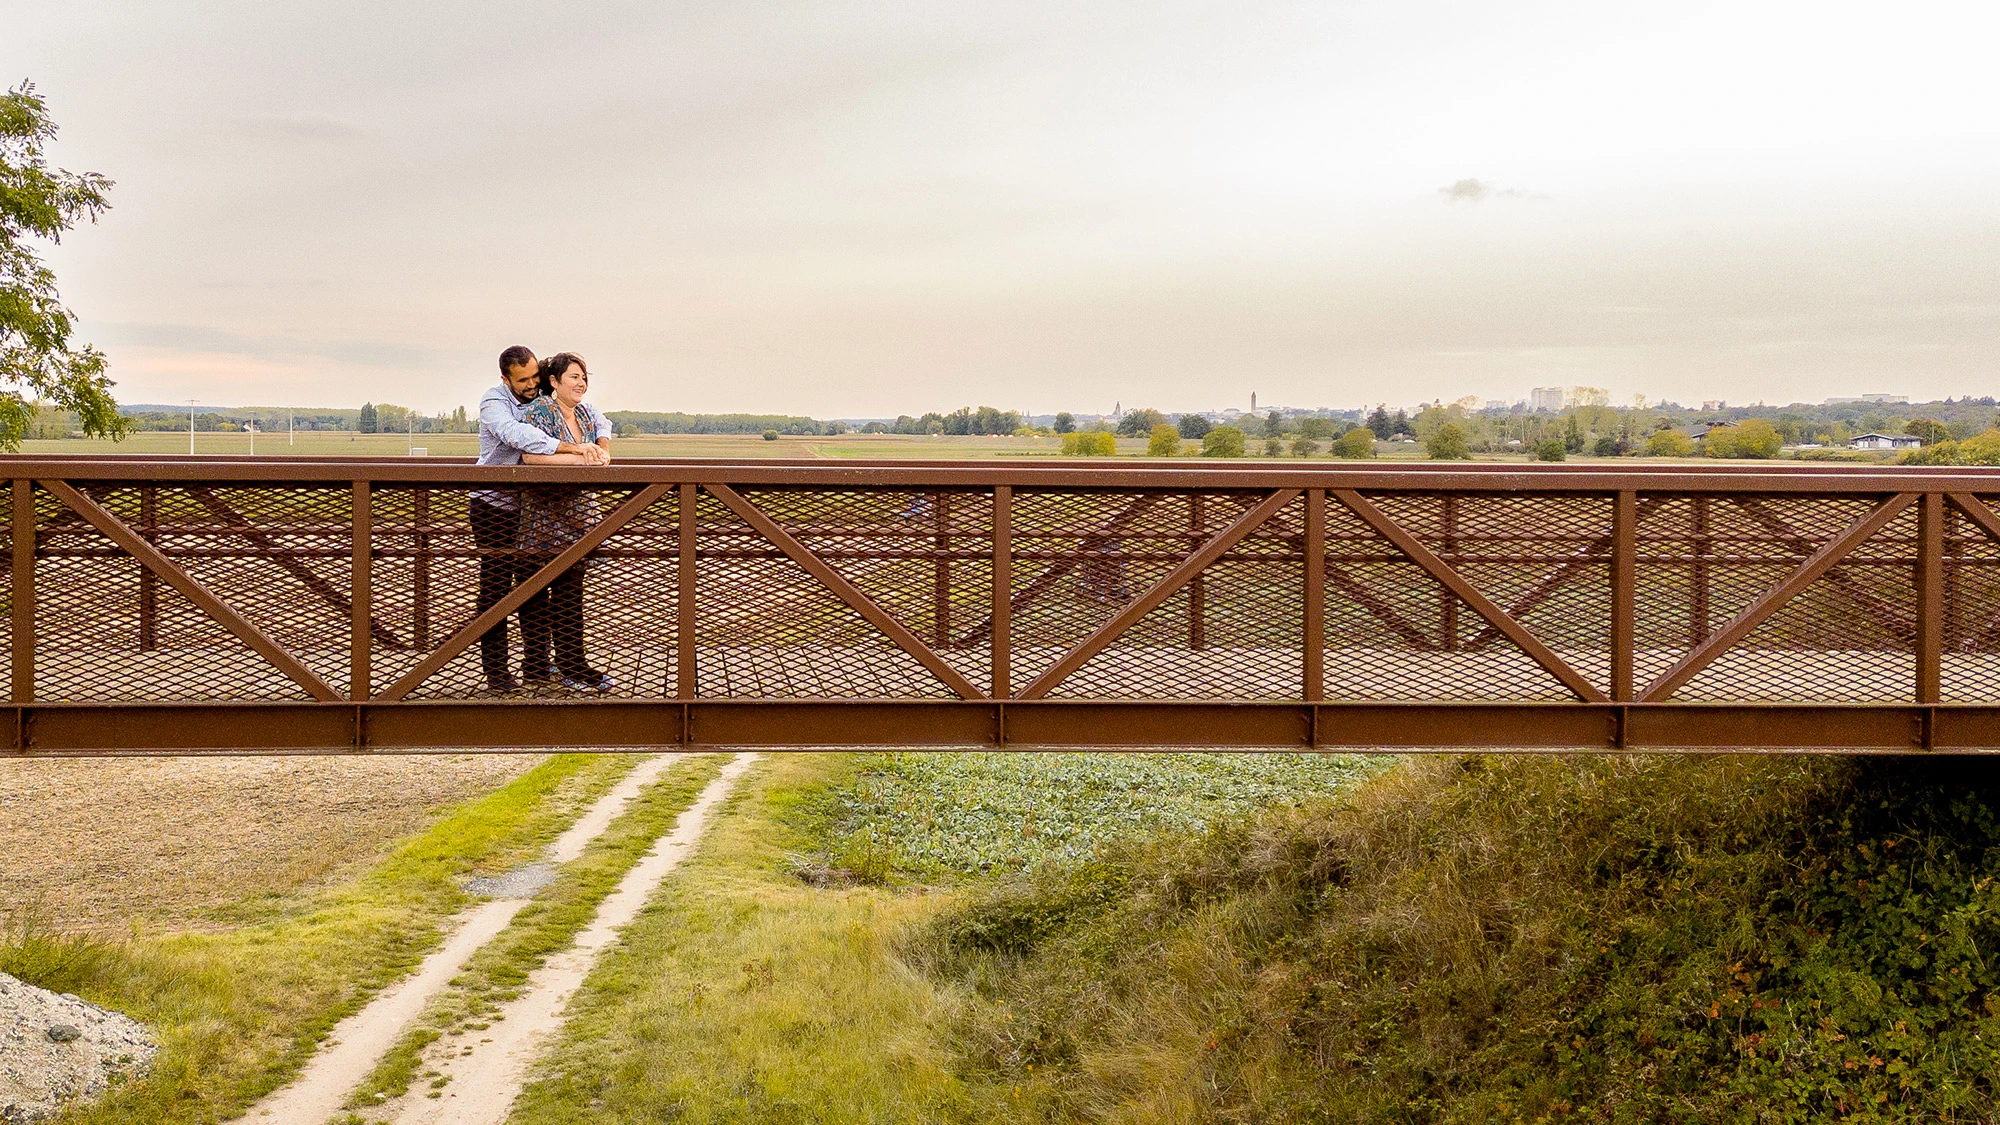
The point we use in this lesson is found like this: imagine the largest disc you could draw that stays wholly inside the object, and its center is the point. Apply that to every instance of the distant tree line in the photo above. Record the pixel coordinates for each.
(966, 421)
(675, 422)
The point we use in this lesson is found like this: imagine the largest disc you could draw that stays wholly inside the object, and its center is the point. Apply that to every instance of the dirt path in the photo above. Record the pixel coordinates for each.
(358, 1042)
(484, 1078)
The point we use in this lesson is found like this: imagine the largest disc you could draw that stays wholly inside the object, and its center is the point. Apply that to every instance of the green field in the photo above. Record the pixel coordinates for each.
(324, 443)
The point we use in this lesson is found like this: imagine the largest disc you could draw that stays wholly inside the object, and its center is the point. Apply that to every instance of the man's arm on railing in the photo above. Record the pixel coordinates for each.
(497, 415)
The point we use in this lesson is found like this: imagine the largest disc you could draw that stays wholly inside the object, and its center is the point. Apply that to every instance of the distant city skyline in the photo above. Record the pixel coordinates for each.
(861, 209)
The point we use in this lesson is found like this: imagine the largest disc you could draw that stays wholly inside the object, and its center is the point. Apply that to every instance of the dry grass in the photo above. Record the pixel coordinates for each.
(192, 843)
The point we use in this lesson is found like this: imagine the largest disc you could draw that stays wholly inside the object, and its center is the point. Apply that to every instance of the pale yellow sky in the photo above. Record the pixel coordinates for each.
(866, 209)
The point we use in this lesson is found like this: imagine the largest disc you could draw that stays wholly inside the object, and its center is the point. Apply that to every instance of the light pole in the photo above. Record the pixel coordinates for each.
(252, 427)
(191, 427)
(288, 427)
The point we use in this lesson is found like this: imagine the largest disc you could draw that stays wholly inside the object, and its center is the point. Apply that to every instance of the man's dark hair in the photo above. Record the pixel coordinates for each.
(556, 365)
(516, 356)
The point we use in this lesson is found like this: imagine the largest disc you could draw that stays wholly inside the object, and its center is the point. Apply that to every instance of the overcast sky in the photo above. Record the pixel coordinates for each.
(866, 208)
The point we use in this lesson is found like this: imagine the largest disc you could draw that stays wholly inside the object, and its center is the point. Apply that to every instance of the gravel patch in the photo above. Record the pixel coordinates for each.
(58, 1049)
(522, 882)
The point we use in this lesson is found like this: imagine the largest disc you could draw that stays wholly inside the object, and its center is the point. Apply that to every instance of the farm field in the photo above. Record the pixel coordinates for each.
(170, 844)
(320, 443)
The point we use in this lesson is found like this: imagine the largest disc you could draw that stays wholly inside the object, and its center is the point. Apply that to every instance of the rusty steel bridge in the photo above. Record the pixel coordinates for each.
(182, 605)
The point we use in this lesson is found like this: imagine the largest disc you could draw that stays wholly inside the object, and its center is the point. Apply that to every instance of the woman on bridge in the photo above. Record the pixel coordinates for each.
(553, 517)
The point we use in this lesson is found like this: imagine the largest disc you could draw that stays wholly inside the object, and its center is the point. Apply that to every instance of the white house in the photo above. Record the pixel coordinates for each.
(1886, 441)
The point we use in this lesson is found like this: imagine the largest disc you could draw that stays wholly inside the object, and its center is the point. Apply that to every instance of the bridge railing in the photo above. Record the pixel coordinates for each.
(172, 604)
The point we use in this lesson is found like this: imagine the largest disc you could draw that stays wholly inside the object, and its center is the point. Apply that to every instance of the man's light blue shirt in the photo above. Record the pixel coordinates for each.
(503, 437)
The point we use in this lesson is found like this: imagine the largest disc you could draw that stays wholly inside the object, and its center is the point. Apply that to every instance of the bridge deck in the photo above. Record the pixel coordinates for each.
(173, 605)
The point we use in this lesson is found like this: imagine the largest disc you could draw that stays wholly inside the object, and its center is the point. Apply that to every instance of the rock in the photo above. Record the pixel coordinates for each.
(81, 1051)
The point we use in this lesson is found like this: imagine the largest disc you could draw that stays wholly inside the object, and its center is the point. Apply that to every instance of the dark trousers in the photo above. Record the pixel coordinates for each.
(500, 570)
(555, 614)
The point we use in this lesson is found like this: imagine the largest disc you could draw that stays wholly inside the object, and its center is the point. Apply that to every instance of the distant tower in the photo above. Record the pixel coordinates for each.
(1253, 402)
(1117, 410)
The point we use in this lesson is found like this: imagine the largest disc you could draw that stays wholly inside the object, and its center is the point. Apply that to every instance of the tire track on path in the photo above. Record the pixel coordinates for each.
(358, 1042)
(484, 1078)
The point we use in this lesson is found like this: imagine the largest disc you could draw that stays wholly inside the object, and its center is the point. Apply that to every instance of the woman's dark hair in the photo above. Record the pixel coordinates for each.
(557, 364)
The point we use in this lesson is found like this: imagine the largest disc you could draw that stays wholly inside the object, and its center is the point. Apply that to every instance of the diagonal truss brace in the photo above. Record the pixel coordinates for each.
(1176, 578)
(149, 556)
(846, 591)
(1774, 599)
(1483, 605)
(571, 555)
(240, 524)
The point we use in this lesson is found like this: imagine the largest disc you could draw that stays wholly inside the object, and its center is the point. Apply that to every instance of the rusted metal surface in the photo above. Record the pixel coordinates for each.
(174, 605)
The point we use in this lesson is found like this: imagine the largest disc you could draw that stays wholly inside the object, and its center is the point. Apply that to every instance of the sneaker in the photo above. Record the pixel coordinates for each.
(589, 681)
(502, 684)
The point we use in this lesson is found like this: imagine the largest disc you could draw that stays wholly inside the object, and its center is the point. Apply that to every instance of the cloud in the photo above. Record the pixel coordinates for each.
(1472, 191)
(1465, 191)
(301, 127)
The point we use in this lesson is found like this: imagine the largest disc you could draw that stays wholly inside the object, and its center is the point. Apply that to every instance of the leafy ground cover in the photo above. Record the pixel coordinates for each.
(933, 815)
(239, 1011)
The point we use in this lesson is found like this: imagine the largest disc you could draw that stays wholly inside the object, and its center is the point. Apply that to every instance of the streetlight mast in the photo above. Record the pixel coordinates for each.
(191, 403)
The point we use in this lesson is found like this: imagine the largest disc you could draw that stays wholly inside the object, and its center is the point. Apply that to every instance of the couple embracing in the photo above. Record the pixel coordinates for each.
(537, 416)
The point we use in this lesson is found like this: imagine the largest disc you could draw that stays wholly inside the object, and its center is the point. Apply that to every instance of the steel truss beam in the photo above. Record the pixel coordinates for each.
(58, 730)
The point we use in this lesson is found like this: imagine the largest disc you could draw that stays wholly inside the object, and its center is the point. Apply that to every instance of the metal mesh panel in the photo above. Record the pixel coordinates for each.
(1971, 672)
(1850, 636)
(1544, 560)
(1235, 631)
(768, 629)
(109, 630)
(1082, 557)
(424, 582)
(1702, 560)
(1393, 632)
(7, 621)
(630, 609)
(925, 557)
(434, 547)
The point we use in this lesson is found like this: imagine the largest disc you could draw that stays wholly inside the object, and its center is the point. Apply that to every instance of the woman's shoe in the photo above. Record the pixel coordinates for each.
(588, 681)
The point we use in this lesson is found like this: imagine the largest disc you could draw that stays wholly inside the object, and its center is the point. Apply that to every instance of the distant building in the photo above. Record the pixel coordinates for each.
(1494, 404)
(1886, 400)
(1886, 441)
(1546, 398)
(1711, 404)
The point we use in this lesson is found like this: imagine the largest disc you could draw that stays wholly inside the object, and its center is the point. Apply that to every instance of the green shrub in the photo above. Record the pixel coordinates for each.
(1273, 447)
(1304, 447)
(1222, 441)
(1089, 443)
(1983, 449)
(1755, 438)
(1447, 443)
(1164, 441)
(770, 435)
(1669, 443)
(1552, 449)
(1355, 444)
